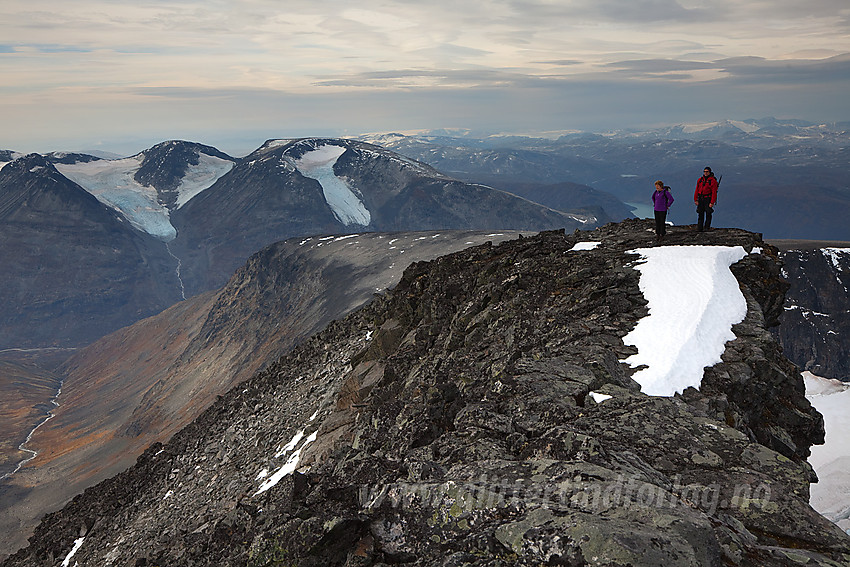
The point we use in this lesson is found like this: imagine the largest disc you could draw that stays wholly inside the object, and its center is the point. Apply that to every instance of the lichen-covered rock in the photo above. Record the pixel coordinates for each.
(479, 415)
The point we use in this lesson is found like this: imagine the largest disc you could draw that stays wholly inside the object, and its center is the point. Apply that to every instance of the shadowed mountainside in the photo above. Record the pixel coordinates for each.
(142, 383)
(817, 308)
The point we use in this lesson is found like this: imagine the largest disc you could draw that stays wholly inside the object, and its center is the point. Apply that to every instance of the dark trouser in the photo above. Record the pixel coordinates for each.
(704, 211)
(660, 223)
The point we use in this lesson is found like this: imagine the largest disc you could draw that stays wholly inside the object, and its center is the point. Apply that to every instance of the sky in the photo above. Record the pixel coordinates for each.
(120, 76)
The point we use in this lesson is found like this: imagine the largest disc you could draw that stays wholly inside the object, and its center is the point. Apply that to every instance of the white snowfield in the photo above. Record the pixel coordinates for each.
(831, 494)
(579, 246)
(743, 126)
(694, 300)
(112, 183)
(343, 201)
(201, 177)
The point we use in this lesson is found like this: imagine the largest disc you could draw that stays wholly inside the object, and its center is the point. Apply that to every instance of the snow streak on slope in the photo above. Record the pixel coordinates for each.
(111, 181)
(831, 494)
(694, 300)
(201, 177)
(292, 452)
(345, 204)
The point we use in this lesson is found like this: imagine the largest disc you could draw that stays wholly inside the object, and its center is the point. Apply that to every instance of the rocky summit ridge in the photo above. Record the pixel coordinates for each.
(480, 414)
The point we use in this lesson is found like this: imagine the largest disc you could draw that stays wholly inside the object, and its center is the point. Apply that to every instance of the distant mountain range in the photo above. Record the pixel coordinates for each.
(89, 245)
(783, 178)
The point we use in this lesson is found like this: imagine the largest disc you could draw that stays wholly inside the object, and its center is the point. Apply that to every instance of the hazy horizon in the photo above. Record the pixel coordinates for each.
(239, 146)
(120, 76)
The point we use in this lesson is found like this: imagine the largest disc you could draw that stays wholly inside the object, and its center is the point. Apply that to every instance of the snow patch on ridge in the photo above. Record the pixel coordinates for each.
(343, 201)
(584, 246)
(745, 126)
(694, 300)
(694, 128)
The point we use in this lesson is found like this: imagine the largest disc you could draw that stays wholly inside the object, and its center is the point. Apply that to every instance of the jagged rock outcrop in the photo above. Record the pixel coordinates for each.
(817, 307)
(460, 420)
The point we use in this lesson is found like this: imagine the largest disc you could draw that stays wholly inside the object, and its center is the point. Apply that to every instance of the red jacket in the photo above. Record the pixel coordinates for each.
(706, 186)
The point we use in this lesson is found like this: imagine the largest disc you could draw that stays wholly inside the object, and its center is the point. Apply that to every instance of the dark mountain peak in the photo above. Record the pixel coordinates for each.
(32, 182)
(31, 160)
(77, 261)
(165, 165)
(293, 150)
(70, 157)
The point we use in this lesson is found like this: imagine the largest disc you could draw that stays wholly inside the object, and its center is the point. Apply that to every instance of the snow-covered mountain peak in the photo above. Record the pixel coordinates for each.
(145, 188)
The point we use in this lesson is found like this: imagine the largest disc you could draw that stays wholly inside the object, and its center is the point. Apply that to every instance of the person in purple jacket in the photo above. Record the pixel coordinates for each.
(661, 199)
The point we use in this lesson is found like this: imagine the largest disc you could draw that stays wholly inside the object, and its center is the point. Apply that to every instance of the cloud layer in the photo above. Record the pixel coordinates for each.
(97, 69)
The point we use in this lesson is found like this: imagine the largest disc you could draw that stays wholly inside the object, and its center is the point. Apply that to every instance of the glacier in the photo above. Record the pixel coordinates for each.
(112, 183)
(318, 164)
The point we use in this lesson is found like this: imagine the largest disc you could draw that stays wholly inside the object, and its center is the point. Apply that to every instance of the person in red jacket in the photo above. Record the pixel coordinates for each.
(705, 197)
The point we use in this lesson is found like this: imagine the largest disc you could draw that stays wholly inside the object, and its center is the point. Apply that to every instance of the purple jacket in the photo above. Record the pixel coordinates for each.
(662, 199)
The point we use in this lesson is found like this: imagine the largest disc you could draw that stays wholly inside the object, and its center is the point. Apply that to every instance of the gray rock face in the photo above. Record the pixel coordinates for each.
(453, 422)
(817, 309)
